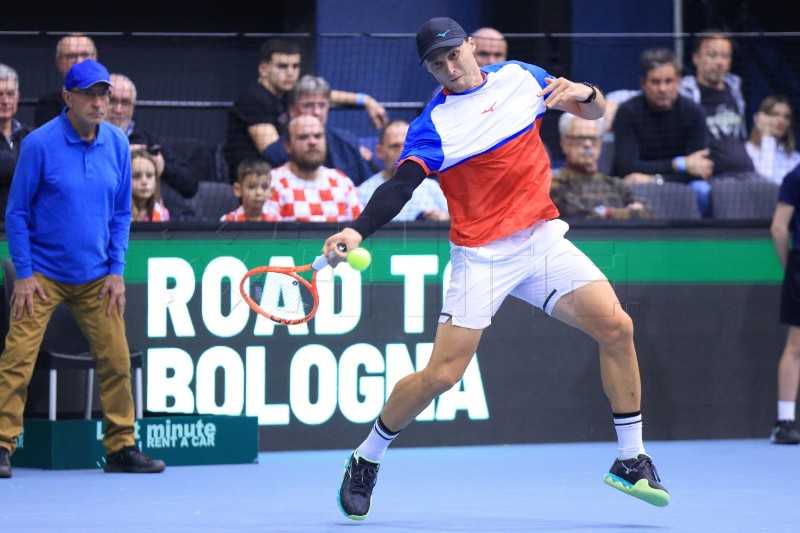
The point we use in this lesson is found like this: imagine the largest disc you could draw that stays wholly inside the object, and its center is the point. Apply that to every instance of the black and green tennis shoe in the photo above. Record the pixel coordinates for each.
(355, 494)
(638, 477)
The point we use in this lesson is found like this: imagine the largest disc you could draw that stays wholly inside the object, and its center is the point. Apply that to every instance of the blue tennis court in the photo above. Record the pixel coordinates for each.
(721, 485)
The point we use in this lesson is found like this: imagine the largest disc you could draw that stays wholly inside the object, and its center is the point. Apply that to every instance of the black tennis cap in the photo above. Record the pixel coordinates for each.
(440, 32)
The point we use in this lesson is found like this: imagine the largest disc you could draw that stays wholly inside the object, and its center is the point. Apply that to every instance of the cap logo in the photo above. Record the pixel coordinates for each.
(443, 34)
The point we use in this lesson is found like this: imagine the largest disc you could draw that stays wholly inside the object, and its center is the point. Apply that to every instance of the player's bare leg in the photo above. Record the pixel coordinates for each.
(453, 349)
(595, 310)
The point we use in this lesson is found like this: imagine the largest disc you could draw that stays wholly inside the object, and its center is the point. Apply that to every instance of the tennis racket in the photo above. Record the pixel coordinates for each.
(284, 295)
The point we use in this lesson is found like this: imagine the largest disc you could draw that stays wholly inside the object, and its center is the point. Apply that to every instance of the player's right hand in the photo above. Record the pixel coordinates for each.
(349, 237)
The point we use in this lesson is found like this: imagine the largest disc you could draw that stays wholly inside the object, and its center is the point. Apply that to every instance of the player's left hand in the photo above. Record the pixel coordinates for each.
(114, 286)
(562, 91)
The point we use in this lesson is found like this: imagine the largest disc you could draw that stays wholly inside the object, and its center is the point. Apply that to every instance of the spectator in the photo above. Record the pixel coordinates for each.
(70, 49)
(772, 145)
(305, 190)
(254, 187)
(427, 202)
(719, 93)
(68, 221)
(785, 230)
(259, 116)
(614, 99)
(580, 189)
(660, 135)
(490, 46)
(312, 96)
(178, 181)
(145, 191)
(12, 130)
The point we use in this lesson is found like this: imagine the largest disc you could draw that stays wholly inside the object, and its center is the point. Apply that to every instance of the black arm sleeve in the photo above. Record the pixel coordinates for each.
(389, 198)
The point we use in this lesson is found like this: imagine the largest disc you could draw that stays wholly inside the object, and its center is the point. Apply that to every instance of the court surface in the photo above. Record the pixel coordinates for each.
(723, 485)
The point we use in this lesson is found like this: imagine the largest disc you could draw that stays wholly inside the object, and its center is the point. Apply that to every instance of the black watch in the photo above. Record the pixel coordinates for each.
(592, 96)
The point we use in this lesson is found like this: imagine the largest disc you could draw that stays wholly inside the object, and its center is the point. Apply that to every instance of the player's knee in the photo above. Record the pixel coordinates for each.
(793, 348)
(440, 379)
(618, 329)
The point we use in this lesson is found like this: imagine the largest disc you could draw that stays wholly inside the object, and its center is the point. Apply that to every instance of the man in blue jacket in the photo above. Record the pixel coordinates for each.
(67, 222)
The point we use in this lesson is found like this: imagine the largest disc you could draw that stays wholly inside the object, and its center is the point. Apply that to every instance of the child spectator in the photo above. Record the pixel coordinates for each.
(146, 203)
(254, 187)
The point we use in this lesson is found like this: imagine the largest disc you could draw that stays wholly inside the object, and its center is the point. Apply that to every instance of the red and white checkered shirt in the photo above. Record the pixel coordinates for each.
(331, 197)
(268, 214)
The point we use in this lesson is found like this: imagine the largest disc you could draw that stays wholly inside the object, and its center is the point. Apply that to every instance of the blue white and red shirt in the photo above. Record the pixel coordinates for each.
(484, 143)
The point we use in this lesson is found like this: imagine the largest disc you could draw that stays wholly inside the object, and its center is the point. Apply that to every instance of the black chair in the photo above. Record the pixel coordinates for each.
(223, 173)
(733, 199)
(65, 347)
(199, 154)
(669, 200)
(213, 199)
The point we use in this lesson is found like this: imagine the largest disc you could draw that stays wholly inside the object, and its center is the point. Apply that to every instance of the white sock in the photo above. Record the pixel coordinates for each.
(374, 447)
(785, 410)
(629, 435)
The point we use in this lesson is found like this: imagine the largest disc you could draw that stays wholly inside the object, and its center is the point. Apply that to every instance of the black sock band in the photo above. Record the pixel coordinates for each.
(626, 415)
(383, 431)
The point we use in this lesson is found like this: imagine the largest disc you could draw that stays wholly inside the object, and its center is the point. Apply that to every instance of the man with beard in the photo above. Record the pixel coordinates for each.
(305, 190)
(312, 96)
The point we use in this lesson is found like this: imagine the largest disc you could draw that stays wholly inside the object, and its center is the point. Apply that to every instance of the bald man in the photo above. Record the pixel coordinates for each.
(490, 46)
(70, 49)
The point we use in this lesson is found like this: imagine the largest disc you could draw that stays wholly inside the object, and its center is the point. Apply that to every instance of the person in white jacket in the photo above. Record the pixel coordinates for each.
(772, 144)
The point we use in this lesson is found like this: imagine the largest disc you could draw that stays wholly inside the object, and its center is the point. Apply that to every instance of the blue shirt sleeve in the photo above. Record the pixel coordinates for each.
(120, 225)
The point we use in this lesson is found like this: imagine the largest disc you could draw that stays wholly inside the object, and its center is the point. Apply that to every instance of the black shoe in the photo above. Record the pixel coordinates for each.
(638, 477)
(785, 432)
(355, 494)
(130, 460)
(5, 463)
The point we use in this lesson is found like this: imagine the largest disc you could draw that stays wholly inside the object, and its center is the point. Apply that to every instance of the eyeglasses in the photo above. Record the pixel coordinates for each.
(123, 103)
(580, 139)
(86, 93)
(77, 55)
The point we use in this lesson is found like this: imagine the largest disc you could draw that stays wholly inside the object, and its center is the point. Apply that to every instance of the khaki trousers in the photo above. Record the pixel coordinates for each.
(109, 347)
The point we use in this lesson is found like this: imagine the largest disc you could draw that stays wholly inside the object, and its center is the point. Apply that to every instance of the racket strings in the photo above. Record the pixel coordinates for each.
(280, 295)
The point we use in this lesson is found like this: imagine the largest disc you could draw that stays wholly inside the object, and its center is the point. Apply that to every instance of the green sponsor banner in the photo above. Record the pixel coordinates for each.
(177, 440)
(728, 261)
(648, 261)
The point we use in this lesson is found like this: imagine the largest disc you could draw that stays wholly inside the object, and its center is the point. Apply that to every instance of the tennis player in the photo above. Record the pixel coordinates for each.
(481, 135)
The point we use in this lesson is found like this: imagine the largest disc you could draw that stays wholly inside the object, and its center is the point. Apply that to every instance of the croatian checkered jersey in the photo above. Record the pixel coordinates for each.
(331, 197)
(269, 213)
(484, 143)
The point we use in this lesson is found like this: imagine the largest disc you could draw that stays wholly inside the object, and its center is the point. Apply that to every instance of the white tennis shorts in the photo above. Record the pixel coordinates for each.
(536, 264)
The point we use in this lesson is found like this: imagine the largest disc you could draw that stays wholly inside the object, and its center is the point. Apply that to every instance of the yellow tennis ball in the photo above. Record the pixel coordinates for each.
(359, 258)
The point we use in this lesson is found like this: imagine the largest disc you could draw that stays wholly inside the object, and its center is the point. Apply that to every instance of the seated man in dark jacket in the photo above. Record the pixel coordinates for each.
(11, 130)
(662, 135)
